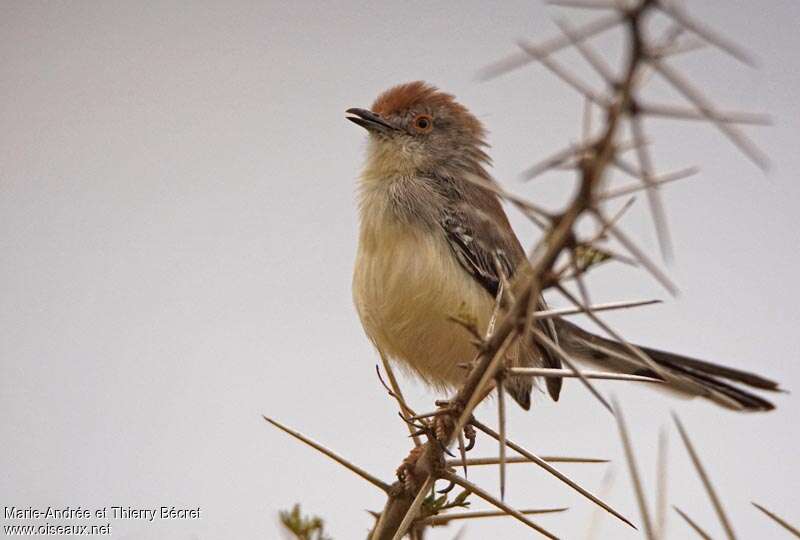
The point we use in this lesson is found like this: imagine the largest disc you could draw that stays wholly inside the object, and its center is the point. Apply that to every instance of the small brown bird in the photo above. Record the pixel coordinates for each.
(429, 246)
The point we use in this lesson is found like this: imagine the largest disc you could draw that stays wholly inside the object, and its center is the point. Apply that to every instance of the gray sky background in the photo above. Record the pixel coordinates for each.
(178, 228)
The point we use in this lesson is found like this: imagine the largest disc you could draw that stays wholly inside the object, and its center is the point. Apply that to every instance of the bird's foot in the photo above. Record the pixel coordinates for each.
(438, 427)
(445, 422)
(405, 472)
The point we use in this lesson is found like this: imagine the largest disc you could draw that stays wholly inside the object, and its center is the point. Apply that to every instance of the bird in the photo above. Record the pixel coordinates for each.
(435, 244)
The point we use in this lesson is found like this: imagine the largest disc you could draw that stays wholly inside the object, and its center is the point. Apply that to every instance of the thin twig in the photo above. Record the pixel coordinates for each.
(634, 472)
(638, 254)
(661, 484)
(560, 312)
(706, 33)
(538, 215)
(601, 233)
(486, 379)
(699, 530)
(447, 518)
(518, 60)
(462, 450)
(564, 74)
(595, 60)
(501, 423)
(635, 351)
(469, 486)
(553, 160)
(681, 113)
(682, 85)
(398, 395)
(605, 488)
(437, 412)
(778, 520)
(586, 123)
(660, 180)
(377, 482)
(586, 4)
(653, 197)
(498, 301)
(701, 472)
(553, 347)
(552, 470)
(566, 373)
(509, 460)
(413, 510)
(627, 168)
(688, 45)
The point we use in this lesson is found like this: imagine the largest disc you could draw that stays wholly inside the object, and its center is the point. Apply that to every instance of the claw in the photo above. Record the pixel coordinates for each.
(411, 423)
(469, 433)
(444, 448)
(447, 489)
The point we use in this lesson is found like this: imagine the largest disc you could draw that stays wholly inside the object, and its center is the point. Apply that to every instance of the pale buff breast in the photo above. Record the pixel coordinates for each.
(406, 285)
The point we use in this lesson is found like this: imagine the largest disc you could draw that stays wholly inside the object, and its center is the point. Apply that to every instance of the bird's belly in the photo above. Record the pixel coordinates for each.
(406, 291)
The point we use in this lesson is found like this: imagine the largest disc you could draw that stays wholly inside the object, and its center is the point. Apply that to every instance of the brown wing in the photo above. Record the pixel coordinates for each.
(485, 245)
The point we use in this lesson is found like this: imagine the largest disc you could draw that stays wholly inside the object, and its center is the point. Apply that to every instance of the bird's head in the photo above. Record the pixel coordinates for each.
(416, 129)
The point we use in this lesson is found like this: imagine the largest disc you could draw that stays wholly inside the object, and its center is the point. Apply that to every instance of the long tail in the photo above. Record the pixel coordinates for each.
(682, 374)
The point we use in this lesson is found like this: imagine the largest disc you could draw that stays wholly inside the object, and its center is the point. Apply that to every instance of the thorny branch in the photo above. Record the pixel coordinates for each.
(532, 279)
(517, 304)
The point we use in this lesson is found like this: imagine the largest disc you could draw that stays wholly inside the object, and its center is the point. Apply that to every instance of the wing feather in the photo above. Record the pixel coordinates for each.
(484, 244)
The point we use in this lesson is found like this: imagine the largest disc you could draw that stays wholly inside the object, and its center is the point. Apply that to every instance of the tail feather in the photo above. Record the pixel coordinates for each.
(681, 373)
(744, 399)
(732, 374)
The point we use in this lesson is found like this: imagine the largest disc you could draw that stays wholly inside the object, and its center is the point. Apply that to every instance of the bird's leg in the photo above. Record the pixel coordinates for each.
(419, 464)
(437, 426)
(423, 462)
(444, 422)
(405, 472)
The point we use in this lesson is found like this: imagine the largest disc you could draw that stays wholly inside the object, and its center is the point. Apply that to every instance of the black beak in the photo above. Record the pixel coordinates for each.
(369, 120)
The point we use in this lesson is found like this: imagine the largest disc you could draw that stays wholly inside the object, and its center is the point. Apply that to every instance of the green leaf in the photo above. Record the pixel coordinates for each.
(587, 256)
(460, 498)
(303, 528)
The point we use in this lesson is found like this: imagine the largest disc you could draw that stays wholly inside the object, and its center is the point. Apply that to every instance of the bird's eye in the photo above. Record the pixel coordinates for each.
(423, 123)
